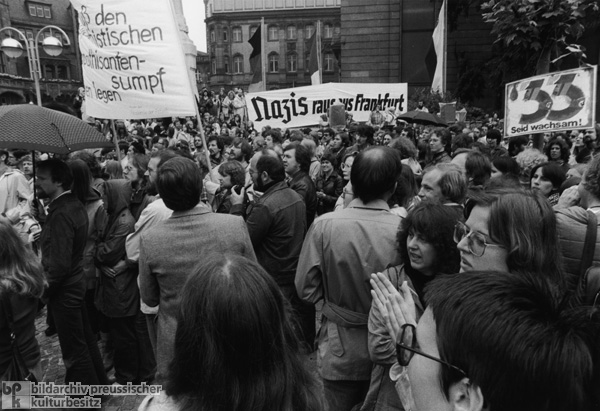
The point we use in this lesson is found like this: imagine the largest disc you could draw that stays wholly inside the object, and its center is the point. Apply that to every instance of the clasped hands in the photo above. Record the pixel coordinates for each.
(396, 306)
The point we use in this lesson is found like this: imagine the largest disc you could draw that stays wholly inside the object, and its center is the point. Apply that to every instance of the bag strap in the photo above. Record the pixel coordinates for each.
(589, 246)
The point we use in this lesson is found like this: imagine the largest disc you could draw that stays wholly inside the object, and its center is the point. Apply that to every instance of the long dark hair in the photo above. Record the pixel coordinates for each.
(235, 347)
(82, 180)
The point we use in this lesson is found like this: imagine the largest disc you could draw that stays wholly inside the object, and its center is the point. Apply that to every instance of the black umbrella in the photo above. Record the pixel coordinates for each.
(422, 117)
(31, 127)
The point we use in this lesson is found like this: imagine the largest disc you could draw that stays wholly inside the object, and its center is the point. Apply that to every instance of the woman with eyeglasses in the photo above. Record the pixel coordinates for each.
(510, 230)
(425, 239)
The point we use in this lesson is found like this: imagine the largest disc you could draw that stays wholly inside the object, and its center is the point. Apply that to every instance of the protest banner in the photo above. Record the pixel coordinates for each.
(563, 100)
(133, 61)
(305, 106)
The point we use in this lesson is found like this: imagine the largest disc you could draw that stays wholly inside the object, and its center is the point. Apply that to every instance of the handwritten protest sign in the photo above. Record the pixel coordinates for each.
(304, 106)
(558, 101)
(133, 61)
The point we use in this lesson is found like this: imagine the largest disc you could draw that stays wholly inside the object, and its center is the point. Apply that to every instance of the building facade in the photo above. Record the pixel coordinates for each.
(61, 75)
(288, 25)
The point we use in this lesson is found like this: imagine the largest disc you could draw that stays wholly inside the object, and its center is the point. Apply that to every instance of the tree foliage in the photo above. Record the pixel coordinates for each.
(532, 34)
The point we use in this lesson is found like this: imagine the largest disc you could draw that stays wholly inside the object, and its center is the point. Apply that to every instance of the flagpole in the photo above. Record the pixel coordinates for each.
(263, 53)
(319, 52)
(445, 45)
(115, 139)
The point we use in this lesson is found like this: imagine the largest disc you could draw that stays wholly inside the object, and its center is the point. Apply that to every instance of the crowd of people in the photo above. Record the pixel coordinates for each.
(445, 263)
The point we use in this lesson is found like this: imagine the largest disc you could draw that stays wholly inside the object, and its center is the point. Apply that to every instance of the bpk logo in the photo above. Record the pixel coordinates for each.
(16, 395)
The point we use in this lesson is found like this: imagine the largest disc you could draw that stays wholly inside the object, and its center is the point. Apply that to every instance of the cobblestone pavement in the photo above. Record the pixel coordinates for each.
(54, 370)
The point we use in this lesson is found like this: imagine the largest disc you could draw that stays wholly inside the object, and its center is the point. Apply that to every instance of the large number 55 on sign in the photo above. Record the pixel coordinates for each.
(558, 101)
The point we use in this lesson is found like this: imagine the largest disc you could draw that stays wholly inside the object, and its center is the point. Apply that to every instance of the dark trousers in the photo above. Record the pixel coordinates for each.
(344, 395)
(134, 359)
(305, 316)
(78, 344)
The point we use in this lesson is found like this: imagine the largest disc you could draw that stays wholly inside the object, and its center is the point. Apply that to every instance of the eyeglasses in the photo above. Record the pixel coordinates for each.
(476, 242)
(405, 352)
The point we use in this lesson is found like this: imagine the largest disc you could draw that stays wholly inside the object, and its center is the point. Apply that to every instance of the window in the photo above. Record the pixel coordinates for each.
(273, 63)
(292, 63)
(48, 71)
(213, 67)
(29, 34)
(40, 11)
(238, 64)
(253, 30)
(225, 35)
(328, 62)
(273, 33)
(327, 31)
(212, 36)
(62, 72)
(291, 32)
(226, 64)
(32, 11)
(236, 34)
(309, 30)
(47, 13)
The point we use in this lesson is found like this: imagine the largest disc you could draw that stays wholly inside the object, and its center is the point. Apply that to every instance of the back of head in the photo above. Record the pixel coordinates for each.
(114, 169)
(515, 340)
(478, 168)
(374, 173)
(524, 223)
(406, 147)
(179, 183)
(453, 184)
(82, 179)
(310, 144)
(235, 348)
(296, 135)
(591, 181)
(164, 156)
(272, 165)
(406, 189)
(90, 160)
(59, 171)
(462, 140)
(507, 165)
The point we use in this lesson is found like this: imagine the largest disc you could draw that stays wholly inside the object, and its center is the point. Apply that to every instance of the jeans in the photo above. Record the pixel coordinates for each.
(78, 344)
(344, 395)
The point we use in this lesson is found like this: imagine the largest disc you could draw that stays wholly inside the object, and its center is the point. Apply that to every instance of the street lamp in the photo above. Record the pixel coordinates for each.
(51, 45)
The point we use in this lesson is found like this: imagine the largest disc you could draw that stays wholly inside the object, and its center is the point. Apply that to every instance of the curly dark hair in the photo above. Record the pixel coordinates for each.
(434, 223)
(564, 149)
